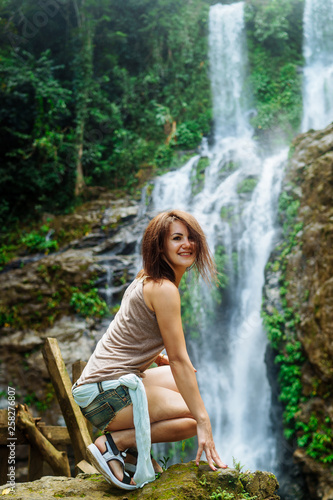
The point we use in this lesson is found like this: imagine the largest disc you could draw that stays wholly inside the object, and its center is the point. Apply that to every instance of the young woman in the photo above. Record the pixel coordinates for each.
(117, 392)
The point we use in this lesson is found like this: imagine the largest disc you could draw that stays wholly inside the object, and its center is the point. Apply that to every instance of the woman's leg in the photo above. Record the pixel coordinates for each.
(170, 417)
(160, 376)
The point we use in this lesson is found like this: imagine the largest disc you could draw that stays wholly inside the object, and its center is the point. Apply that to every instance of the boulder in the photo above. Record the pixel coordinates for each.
(179, 482)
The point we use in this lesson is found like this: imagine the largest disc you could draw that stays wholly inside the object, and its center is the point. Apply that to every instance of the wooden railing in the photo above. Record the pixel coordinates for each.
(47, 441)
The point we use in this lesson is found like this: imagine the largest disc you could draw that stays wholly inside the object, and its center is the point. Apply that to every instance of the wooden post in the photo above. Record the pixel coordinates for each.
(40, 444)
(77, 369)
(35, 464)
(75, 422)
(56, 435)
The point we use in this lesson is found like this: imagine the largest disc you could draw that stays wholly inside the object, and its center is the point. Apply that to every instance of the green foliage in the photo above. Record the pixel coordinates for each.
(274, 32)
(164, 462)
(222, 260)
(188, 135)
(8, 316)
(7, 252)
(288, 206)
(237, 465)
(247, 185)
(89, 303)
(198, 175)
(38, 241)
(33, 149)
(41, 404)
(163, 157)
(220, 494)
(128, 88)
(190, 305)
(226, 212)
(317, 438)
(290, 360)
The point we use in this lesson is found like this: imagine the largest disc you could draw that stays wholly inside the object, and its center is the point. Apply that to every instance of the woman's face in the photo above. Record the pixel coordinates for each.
(179, 247)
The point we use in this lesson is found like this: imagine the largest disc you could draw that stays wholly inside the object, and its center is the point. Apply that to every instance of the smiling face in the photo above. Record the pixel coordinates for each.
(179, 247)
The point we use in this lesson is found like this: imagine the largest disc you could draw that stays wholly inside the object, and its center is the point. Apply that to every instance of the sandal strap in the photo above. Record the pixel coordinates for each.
(111, 443)
(126, 478)
(131, 451)
(112, 453)
(113, 446)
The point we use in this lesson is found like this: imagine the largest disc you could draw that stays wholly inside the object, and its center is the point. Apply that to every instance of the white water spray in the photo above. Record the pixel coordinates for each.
(239, 219)
(318, 71)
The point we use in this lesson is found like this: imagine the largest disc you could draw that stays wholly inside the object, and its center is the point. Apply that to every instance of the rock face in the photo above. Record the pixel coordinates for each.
(307, 270)
(181, 482)
(99, 250)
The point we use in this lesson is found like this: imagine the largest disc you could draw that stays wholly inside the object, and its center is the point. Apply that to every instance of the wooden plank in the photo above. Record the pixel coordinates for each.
(35, 464)
(4, 453)
(57, 459)
(3, 418)
(74, 419)
(55, 434)
(77, 369)
(87, 468)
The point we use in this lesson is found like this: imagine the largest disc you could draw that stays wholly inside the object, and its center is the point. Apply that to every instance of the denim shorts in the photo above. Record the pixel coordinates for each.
(106, 405)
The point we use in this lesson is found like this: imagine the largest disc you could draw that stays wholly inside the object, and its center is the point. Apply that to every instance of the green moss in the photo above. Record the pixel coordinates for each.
(222, 262)
(227, 213)
(198, 175)
(94, 477)
(247, 185)
(190, 306)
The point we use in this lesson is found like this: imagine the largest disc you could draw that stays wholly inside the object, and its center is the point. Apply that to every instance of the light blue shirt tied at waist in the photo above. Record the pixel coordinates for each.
(86, 393)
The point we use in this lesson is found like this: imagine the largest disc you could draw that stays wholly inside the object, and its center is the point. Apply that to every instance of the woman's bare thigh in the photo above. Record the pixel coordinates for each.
(163, 404)
(160, 376)
(122, 420)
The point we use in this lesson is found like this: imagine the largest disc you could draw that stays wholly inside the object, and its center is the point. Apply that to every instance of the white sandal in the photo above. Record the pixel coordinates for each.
(101, 460)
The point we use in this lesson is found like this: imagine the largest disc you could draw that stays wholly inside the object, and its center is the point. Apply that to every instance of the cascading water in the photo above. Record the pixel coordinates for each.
(318, 71)
(236, 207)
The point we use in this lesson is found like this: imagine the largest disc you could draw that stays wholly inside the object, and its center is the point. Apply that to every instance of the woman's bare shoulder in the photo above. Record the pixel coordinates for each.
(161, 286)
(161, 291)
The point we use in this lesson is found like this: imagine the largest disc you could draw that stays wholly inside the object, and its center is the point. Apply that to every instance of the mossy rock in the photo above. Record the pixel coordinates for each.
(179, 482)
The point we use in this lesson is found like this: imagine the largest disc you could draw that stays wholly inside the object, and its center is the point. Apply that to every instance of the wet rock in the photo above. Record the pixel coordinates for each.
(308, 288)
(179, 482)
(100, 241)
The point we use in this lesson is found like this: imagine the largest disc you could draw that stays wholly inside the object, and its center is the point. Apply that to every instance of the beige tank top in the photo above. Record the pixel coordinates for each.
(131, 343)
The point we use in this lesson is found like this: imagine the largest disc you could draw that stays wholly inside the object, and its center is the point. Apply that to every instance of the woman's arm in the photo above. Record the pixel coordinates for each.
(165, 300)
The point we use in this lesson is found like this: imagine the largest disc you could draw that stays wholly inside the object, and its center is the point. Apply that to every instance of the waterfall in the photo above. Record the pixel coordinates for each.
(318, 71)
(236, 207)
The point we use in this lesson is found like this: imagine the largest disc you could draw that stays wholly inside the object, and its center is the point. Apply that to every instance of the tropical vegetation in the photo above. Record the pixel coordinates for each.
(110, 93)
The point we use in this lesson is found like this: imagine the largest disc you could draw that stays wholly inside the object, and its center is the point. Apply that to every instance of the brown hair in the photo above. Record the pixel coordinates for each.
(153, 242)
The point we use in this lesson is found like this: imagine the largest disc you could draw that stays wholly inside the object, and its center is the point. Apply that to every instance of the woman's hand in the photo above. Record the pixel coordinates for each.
(162, 359)
(206, 444)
